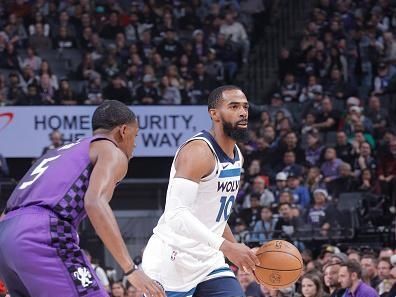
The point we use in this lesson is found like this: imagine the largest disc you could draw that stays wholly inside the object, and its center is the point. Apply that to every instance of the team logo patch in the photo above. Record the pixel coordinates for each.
(173, 256)
(275, 278)
(84, 276)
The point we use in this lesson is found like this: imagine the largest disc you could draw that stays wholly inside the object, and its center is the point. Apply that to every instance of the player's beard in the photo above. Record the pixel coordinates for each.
(235, 132)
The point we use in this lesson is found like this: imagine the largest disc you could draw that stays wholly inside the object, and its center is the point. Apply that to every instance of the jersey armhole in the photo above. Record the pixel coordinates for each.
(216, 167)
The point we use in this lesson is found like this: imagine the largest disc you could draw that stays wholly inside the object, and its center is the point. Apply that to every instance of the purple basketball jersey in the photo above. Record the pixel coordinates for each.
(57, 181)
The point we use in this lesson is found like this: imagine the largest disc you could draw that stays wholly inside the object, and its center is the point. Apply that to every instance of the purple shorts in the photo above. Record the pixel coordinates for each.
(40, 256)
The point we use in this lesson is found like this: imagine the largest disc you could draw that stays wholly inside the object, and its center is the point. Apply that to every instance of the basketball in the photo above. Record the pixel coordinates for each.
(280, 266)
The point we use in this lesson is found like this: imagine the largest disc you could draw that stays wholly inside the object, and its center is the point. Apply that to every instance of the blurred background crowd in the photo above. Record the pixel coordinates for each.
(320, 165)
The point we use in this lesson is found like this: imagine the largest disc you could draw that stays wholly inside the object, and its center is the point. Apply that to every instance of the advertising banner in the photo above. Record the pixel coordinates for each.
(24, 130)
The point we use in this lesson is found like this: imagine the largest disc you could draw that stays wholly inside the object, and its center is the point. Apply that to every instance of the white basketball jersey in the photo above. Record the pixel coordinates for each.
(196, 261)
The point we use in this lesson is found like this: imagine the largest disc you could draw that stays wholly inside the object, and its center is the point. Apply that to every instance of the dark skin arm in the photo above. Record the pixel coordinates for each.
(195, 161)
(110, 166)
(228, 234)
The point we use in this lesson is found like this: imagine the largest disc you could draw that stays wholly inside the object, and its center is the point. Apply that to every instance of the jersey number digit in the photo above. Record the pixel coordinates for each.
(38, 171)
(226, 204)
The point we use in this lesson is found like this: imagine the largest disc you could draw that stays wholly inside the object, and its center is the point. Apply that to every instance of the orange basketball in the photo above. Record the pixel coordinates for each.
(280, 266)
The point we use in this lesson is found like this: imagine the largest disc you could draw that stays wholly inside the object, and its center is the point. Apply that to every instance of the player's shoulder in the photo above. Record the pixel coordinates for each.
(196, 149)
(107, 149)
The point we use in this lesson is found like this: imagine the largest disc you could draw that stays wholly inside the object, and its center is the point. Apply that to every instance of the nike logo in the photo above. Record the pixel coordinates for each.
(225, 166)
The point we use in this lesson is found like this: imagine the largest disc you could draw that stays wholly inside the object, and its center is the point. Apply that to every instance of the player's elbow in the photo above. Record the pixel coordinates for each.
(175, 218)
(92, 205)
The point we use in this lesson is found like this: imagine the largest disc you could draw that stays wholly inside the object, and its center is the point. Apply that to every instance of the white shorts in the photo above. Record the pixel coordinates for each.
(179, 271)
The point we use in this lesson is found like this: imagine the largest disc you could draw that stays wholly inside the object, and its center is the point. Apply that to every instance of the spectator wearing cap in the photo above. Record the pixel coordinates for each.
(327, 252)
(116, 90)
(338, 258)
(260, 187)
(352, 101)
(290, 89)
(300, 192)
(355, 119)
(280, 185)
(350, 277)
(318, 215)
(170, 48)
(383, 78)
(331, 164)
(315, 105)
(330, 278)
(344, 183)
(147, 93)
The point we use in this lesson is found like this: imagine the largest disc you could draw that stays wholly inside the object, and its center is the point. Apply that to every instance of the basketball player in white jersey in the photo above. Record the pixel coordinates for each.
(186, 252)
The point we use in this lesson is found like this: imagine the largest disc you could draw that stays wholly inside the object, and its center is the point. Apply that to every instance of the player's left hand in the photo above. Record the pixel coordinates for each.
(142, 282)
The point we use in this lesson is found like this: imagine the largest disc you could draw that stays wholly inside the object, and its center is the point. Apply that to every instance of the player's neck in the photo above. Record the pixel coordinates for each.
(226, 143)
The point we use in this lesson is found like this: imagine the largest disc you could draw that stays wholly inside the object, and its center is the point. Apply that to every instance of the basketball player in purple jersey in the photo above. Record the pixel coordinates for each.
(39, 252)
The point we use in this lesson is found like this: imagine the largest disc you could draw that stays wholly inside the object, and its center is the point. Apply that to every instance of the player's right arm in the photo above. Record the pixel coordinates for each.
(110, 166)
(195, 161)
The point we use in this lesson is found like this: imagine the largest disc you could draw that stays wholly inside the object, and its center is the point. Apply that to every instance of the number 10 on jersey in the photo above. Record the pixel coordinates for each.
(226, 204)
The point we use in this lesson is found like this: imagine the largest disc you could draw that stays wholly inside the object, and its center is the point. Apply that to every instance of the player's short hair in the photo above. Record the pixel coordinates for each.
(353, 266)
(217, 94)
(110, 114)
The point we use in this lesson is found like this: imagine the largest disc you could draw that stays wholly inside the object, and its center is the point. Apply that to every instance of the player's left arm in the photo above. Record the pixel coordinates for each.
(227, 234)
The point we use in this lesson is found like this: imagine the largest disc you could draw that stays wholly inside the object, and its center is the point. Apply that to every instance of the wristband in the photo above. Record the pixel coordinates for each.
(132, 270)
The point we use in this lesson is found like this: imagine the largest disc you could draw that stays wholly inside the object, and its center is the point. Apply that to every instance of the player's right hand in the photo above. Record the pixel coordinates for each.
(241, 255)
(149, 287)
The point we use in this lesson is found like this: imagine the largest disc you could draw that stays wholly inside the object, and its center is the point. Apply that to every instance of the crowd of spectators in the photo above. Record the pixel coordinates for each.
(139, 52)
(328, 130)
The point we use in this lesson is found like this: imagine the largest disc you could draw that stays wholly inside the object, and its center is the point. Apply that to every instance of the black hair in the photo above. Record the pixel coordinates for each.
(110, 114)
(217, 94)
